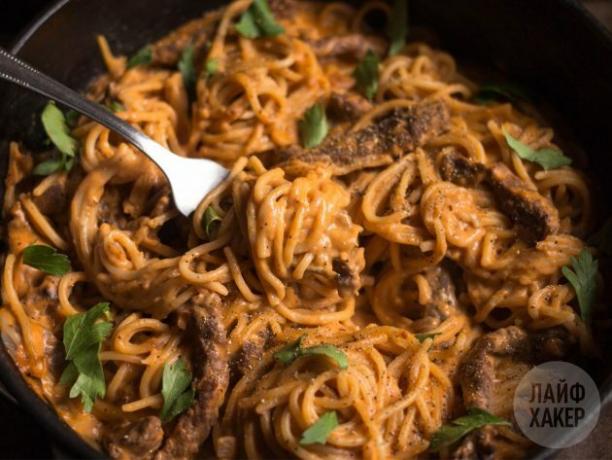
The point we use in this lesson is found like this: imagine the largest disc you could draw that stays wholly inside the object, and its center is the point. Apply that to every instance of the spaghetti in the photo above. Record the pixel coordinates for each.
(398, 264)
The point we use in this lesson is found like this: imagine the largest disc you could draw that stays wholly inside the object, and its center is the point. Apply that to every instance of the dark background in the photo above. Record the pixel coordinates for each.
(20, 436)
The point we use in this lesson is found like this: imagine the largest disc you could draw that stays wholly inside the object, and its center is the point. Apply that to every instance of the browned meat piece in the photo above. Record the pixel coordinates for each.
(52, 201)
(460, 170)
(347, 279)
(443, 299)
(398, 132)
(168, 50)
(441, 305)
(211, 376)
(489, 442)
(249, 354)
(550, 344)
(493, 367)
(347, 106)
(498, 360)
(282, 9)
(477, 445)
(352, 45)
(533, 214)
(138, 439)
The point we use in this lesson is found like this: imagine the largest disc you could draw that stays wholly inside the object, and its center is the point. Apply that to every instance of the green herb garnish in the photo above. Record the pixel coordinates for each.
(176, 389)
(56, 126)
(319, 431)
(210, 222)
(51, 166)
(210, 68)
(295, 350)
(72, 116)
(500, 92)
(83, 337)
(366, 75)
(314, 126)
(426, 335)
(583, 279)
(547, 158)
(397, 28)
(458, 428)
(186, 66)
(258, 21)
(54, 123)
(116, 106)
(46, 259)
(143, 56)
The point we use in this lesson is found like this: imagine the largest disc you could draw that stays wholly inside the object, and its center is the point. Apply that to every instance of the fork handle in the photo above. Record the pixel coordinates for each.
(18, 72)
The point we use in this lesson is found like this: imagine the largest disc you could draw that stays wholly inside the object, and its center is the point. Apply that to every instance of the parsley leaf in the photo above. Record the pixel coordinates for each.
(210, 68)
(319, 431)
(116, 106)
(143, 56)
(426, 335)
(50, 166)
(314, 126)
(56, 126)
(366, 75)
(547, 158)
(186, 66)
(458, 428)
(295, 350)
(398, 26)
(289, 353)
(90, 383)
(210, 222)
(603, 238)
(46, 259)
(72, 116)
(81, 331)
(583, 279)
(176, 390)
(258, 21)
(83, 336)
(500, 92)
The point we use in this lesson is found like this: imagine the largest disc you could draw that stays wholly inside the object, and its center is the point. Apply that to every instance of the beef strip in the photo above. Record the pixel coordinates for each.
(211, 376)
(347, 279)
(498, 360)
(250, 354)
(168, 50)
(282, 9)
(489, 375)
(442, 304)
(347, 106)
(400, 131)
(482, 444)
(534, 215)
(352, 45)
(52, 200)
(138, 439)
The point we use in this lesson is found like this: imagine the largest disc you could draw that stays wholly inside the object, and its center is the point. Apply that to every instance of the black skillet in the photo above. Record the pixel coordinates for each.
(553, 47)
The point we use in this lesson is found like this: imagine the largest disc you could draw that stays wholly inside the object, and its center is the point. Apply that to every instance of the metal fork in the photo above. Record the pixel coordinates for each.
(190, 179)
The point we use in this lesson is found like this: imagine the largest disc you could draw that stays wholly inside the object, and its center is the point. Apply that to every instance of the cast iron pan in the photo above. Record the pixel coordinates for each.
(553, 47)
